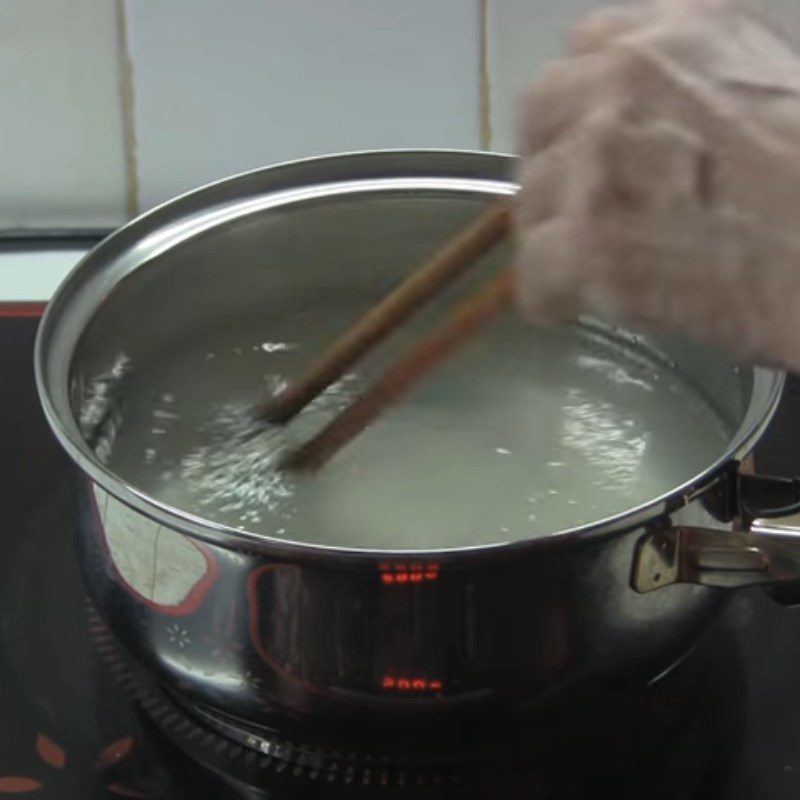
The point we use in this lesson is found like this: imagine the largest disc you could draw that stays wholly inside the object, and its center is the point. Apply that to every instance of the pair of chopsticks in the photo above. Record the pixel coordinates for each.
(451, 261)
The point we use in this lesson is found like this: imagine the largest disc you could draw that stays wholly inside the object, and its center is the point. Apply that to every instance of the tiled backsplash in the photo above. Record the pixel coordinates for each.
(220, 87)
(225, 87)
(61, 143)
(522, 36)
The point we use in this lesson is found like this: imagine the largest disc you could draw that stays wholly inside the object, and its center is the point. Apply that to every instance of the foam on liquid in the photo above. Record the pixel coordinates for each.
(523, 434)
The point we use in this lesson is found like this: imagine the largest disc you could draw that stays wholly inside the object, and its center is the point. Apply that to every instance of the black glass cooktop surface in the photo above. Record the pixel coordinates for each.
(75, 722)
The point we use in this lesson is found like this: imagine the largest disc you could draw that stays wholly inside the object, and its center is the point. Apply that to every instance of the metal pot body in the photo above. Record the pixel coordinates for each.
(282, 634)
(385, 642)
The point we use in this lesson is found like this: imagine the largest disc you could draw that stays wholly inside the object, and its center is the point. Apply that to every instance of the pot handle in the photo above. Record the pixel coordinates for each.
(764, 550)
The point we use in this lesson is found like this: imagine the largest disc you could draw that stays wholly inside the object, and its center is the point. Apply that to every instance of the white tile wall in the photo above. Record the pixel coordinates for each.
(61, 152)
(227, 86)
(524, 34)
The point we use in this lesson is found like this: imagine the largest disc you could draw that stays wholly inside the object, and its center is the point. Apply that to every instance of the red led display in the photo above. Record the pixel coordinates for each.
(392, 574)
(411, 684)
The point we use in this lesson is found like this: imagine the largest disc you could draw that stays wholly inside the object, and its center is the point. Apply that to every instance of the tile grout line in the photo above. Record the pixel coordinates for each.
(485, 95)
(128, 113)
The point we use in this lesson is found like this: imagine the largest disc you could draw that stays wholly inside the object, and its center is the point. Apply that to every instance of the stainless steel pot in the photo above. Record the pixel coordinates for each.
(253, 631)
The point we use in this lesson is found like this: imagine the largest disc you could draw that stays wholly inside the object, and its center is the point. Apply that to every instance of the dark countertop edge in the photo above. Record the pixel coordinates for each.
(50, 238)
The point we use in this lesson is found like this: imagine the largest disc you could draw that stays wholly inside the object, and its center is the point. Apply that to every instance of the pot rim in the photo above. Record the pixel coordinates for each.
(767, 383)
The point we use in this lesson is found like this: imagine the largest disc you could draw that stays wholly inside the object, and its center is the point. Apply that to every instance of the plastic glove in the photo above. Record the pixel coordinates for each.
(660, 179)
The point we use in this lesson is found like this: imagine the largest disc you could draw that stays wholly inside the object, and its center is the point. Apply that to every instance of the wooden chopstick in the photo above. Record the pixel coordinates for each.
(426, 355)
(446, 265)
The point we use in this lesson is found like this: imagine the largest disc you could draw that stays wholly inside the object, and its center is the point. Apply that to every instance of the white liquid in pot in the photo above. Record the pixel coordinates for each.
(524, 433)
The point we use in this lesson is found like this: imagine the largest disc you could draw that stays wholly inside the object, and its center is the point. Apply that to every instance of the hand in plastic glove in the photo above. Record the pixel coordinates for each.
(661, 178)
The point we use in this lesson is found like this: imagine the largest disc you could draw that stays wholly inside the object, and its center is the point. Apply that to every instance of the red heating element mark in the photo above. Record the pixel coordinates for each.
(397, 684)
(399, 574)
